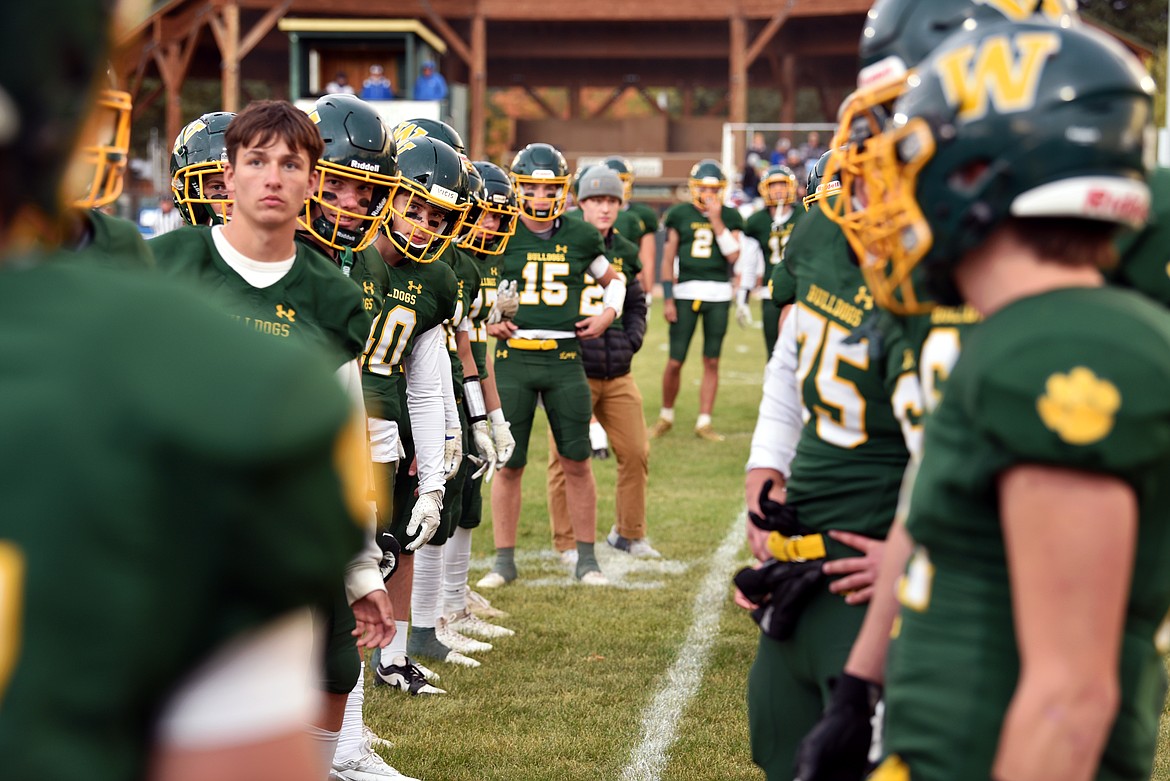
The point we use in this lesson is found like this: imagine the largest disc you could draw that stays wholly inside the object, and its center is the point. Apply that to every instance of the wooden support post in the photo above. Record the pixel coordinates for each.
(652, 100)
(788, 84)
(738, 90)
(230, 51)
(688, 101)
(477, 113)
(574, 100)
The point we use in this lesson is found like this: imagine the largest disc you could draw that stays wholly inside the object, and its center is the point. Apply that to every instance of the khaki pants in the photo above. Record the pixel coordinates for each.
(617, 403)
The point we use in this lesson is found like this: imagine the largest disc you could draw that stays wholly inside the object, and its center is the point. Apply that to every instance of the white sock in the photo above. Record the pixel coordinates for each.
(704, 420)
(667, 414)
(349, 743)
(428, 580)
(456, 561)
(385, 656)
(326, 741)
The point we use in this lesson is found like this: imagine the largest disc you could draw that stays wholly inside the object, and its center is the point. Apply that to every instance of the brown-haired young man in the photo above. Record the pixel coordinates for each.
(260, 276)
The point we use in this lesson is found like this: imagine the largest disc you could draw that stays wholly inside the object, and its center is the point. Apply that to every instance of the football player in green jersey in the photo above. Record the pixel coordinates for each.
(485, 239)
(407, 346)
(537, 352)
(765, 234)
(1047, 440)
(222, 434)
(262, 277)
(834, 448)
(617, 402)
(1145, 261)
(197, 160)
(647, 245)
(704, 236)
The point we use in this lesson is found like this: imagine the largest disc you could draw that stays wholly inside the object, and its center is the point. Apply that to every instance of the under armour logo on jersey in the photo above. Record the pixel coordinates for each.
(863, 298)
(289, 314)
(414, 287)
(562, 248)
(368, 287)
(460, 283)
(501, 353)
(495, 271)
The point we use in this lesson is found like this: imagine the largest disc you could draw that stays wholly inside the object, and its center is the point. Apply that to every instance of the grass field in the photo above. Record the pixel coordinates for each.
(566, 699)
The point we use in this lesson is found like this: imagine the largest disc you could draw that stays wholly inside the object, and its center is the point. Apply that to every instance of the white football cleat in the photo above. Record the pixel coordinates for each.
(593, 578)
(375, 740)
(479, 605)
(454, 640)
(366, 767)
(491, 580)
(466, 623)
(569, 557)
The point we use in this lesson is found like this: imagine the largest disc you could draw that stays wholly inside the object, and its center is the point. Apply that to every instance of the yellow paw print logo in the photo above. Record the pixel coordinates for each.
(1079, 406)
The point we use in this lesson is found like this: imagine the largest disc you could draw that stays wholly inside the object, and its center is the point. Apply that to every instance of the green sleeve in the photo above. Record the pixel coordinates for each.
(783, 284)
(1096, 407)
(732, 219)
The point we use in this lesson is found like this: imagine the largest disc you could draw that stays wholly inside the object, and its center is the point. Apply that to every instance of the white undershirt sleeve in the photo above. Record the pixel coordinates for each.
(239, 695)
(424, 404)
(750, 263)
(779, 423)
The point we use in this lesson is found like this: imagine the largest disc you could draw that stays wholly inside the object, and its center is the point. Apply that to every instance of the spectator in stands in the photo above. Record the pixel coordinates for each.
(780, 153)
(798, 164)
(812, 149)
(757, 152)
(377, 86)
(430, 84)
(340, 84)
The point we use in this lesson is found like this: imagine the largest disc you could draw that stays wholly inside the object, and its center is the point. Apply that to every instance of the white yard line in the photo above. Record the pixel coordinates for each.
(661, 717)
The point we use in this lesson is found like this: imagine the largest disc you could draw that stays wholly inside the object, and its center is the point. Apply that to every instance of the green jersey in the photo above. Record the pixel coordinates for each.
(190, 466)
(623, 257)
(1072, 378)
(116, 242)
(313, 303)
(419, 297)
(481, 307)
(852, 451)
(699, 257)
(1145, 255)
(771, 232)
(647, 215)
(467, 292)
(550, 273)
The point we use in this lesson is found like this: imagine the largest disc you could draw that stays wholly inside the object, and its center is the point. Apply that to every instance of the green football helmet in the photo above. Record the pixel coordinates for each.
(359, 152)
(706, 174)
(898, 35)
(432, 201)
(778, 186)
(430, 128)
(197, 159)
(496, 224)
(477, 195)
(816, 188)
(46, 99)
(624, 171)
(540, 164)
(1012, 120)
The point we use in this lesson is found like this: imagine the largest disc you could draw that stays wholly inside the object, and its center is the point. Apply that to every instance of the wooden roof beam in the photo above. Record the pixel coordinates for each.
(449, 35)
(769, 32)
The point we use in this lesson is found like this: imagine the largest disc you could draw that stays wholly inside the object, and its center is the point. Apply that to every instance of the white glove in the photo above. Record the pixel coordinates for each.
(501, 437)
(424, 520)
(487, 450)
(452, 452)
(649, 301)
(743, 315)
(507, 303)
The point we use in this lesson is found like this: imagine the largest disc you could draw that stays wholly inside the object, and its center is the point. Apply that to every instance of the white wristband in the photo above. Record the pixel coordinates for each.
(496, 416)
(615, 296)
(728, 244)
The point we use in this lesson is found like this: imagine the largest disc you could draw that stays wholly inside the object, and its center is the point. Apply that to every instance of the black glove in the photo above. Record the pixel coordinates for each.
(837, 748)
(781, 589)
(391, 553)
(776, 517)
